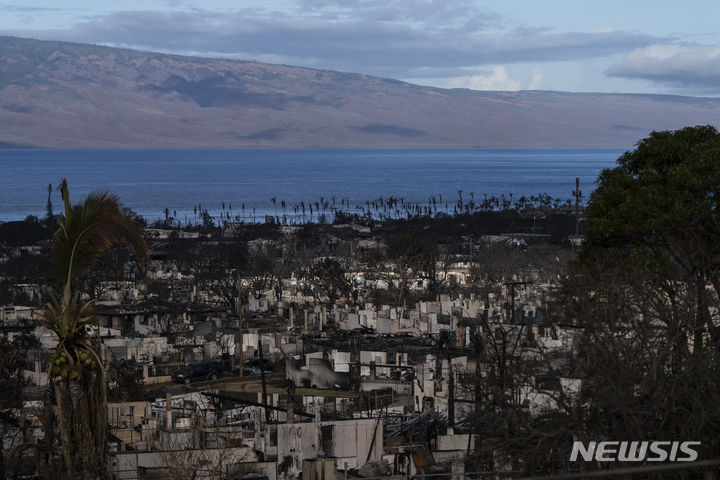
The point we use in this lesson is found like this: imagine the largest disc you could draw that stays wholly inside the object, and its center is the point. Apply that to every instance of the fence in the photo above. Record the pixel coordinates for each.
(630, 472)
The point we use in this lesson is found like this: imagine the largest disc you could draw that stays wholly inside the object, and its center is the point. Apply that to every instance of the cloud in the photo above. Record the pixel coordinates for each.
(389, 38)
(495, 77)
(431, 14)
(683, 66)
(491, 77)
(29, 8)
(537, 79)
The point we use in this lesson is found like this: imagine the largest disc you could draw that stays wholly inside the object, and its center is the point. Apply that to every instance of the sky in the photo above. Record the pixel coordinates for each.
(634, 46)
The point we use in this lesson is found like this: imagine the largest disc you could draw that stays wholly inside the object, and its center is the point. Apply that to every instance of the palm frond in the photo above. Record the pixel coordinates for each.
(68, 320)
(88, 230)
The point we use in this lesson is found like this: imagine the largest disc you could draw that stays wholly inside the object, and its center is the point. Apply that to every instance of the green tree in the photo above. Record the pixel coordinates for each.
(659, 206)
(645, 291)
(86, 231)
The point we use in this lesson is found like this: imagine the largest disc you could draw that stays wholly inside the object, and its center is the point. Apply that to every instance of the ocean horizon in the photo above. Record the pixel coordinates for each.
(252, 183)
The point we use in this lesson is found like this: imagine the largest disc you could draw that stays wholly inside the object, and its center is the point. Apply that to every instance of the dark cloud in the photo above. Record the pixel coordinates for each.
(435, 15)
(30, 9)
(387, 38)
(681, 66)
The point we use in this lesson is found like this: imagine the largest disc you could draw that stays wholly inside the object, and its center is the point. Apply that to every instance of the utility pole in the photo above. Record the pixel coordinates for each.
(451, 390)
(262, 380)
(168, 412)
(513, 286)
(239, 341)
(291, 401)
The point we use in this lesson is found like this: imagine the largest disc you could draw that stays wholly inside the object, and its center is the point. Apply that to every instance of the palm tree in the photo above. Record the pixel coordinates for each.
(274, 202)
(86, 231)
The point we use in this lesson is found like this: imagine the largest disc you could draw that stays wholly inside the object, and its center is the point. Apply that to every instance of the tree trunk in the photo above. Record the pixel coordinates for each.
(702, 320)
(82, 418)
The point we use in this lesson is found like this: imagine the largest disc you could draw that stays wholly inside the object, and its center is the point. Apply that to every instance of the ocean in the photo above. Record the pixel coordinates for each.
(225, 181)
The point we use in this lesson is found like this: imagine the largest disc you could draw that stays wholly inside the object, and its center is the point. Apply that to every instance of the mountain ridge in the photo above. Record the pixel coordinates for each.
(62, 94)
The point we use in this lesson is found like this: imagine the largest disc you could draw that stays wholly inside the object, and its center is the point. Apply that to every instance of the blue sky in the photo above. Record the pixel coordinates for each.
(580, 45)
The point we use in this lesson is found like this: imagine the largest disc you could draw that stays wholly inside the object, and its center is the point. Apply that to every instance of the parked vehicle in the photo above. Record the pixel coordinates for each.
(199, 371)
(252, 367)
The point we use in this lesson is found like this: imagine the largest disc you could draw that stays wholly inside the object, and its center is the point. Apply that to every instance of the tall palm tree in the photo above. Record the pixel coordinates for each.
(86, 231)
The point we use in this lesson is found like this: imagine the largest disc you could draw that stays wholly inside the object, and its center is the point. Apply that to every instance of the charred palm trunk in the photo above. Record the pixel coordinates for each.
(82, 421)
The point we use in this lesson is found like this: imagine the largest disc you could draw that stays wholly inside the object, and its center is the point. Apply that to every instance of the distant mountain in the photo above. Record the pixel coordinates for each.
(55, 94)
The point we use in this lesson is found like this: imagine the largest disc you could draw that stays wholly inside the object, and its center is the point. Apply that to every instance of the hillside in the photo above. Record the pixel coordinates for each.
(56, 94)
